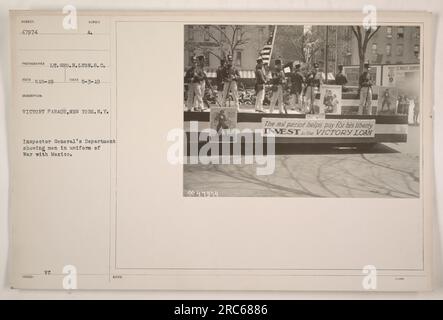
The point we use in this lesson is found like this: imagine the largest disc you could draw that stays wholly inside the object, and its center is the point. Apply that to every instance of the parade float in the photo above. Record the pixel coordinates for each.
(335, 120)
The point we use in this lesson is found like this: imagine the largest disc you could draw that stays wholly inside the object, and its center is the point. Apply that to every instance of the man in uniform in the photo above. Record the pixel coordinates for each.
(340, 78)
(189, 79)
(278, 80)
(202, 91)
(313, 82)
(221, 120)
(365, 85)
(195, 77)
(296, 84)
(219, 79)
(260, 81)
(230, 78)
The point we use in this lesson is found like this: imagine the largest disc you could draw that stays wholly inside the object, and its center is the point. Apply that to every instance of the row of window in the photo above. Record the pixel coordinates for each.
(400, 34)
(399, 49)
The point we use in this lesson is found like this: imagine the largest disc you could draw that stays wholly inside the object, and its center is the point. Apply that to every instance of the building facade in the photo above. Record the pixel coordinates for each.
(215, 42)
(391, 45)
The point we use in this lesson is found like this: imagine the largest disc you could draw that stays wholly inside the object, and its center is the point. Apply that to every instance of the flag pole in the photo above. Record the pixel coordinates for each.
(272, 44)
(268, 68)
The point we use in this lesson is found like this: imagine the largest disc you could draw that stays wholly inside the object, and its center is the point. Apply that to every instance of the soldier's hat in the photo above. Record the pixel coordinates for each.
(277, 62)
(201, 58)
(259, 59)
(366, 65)
(297, 65)
(316, 65)
(340, 66)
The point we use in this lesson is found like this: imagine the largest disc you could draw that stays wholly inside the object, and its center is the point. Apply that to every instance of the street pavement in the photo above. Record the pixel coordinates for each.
(389, 170)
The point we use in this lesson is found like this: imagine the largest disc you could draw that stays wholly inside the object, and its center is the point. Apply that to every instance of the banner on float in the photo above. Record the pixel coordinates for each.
(319, 128)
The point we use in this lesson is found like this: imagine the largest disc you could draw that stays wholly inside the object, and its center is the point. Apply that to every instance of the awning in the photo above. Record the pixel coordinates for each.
(250, 74)
(244, 74)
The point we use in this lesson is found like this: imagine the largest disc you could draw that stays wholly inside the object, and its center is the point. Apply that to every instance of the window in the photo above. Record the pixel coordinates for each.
(417, 50)
(389, 32)
(206, 33)
(374, 48)
(190, 33)
(400, 33)
(238, 58)
(417, 33)
(388, 49)
(399, 49)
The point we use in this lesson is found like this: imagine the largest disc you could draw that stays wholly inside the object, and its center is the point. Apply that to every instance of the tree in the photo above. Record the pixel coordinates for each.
(298, 43)
(363, 37)
(226, 39)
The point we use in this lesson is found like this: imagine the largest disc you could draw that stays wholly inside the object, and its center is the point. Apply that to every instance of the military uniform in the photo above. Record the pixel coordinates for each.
(313, 82)
(189, 79)
(202, 85)
(260, 81)
(219, 80)
(297, 80)
(365, 84)
(340, 78)
(195, 76)
(222, 120)
(230, 78)
(278, 79)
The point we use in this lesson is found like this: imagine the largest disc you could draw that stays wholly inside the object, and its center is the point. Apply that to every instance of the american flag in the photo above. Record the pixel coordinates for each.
(266, 53)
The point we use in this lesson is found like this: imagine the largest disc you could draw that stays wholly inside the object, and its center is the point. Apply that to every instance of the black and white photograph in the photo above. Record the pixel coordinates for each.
(281, 152)
(329, 111)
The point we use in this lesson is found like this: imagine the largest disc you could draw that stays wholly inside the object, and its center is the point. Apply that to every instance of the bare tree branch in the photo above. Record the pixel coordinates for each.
(194, 46)
(207, 32)
(372, 34)
(362, 43)
(359, 33)
(223, 33)
(355, 32)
